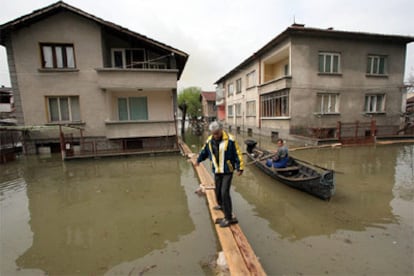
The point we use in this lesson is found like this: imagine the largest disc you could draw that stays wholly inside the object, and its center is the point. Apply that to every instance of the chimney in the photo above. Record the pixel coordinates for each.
(298, 25)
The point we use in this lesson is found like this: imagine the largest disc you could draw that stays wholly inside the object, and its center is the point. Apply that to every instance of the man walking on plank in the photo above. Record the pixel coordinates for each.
(225, 155)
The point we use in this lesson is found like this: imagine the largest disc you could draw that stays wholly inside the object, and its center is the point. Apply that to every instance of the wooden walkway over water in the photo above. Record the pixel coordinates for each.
(240, 256)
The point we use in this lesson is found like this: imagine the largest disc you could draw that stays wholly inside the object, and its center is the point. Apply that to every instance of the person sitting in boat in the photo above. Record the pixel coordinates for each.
(280, 159)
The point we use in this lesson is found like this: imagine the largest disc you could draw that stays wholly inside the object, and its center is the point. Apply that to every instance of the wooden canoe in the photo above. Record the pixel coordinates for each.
(316, 181)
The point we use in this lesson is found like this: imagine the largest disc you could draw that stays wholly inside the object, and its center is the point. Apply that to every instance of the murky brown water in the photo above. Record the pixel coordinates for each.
(124, 216)
(111, 216)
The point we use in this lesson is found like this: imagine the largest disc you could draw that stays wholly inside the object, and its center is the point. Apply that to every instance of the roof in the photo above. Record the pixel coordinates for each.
(5, 90)
(209, 96)
(60, 6)
(301, 30)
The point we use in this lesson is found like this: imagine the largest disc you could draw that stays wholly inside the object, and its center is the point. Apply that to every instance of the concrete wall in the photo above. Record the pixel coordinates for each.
(352, 84)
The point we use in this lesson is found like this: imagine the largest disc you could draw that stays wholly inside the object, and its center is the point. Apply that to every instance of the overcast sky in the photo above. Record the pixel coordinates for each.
(220, 34)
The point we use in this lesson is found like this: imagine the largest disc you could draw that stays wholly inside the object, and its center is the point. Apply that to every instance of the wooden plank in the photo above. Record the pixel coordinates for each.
(240, 256)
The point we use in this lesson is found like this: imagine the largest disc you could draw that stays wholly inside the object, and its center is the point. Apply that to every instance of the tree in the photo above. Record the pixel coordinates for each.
(189, 103)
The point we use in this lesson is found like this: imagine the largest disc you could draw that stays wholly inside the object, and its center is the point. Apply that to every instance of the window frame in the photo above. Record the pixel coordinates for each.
(59, 108)
(230, 89)
(251, 105)
(375, 58)
(269, 102)
(330, 70)
(128, 106)
(238, 107)
(238, 85)
(124, 58)
(230, 113)
(65, 60)
(320, 104)
(251, 79)
(374, 96)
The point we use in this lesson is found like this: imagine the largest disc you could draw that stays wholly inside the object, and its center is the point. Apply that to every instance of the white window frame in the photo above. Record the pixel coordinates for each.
(58, 56)
(124, 59)
(328, 98)
(230, 111)
(230, 89)
(270, 102)
(128, 99)
(374, 63)
(251, 79)
(70, 108)
(371, 103)
(328, 60)
(251, 109)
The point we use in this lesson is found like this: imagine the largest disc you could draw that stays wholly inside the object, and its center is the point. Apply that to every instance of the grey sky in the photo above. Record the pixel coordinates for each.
(219, 34)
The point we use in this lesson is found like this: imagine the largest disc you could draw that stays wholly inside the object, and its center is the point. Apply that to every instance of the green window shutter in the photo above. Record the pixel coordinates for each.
(122, 109)
(138, 108)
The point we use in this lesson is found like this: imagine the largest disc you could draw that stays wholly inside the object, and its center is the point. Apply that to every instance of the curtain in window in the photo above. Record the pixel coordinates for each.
(47, 57)
(70, 57)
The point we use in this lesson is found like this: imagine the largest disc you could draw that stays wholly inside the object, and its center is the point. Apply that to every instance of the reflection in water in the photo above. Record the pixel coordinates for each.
(362, 199)
(87, 216)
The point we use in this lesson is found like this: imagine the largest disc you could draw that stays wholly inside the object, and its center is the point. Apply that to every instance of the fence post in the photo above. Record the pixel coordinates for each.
(338, 130)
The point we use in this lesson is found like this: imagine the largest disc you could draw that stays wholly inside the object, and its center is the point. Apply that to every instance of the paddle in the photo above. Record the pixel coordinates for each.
(317, 166)
(261, 159)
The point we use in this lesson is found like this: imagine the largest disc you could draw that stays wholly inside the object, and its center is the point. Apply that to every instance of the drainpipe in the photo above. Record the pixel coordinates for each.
(260, 82)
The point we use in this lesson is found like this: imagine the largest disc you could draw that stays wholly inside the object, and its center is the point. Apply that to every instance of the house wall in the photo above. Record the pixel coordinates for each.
(94, 84)
(35, 84)
(352, 84)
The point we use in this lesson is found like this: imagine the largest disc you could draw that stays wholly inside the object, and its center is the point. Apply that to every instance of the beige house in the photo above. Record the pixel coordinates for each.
(306, 80)
(208, 106)
(68, 67)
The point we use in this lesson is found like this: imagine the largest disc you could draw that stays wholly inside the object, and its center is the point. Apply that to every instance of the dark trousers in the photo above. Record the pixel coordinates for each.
(223, 183)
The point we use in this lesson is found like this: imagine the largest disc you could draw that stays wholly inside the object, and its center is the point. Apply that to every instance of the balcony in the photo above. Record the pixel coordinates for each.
(275, 85)
(119, 78)
(129, 129)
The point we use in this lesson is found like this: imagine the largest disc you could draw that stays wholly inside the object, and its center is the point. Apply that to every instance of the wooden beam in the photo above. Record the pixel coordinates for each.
(240, 256)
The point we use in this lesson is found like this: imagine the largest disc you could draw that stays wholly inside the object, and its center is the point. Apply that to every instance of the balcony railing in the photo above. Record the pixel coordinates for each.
(128, 129)
(276, 84)
(117, 78)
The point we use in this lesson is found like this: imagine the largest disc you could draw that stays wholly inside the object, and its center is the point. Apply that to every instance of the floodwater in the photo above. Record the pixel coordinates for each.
(139, 215)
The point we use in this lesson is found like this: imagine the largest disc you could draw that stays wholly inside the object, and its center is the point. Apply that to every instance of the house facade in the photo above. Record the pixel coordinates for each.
(68, 67)
(306, 80)
(208, 106)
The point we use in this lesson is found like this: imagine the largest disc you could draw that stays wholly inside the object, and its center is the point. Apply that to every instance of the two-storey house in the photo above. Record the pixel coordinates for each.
(208, 106)
(307, 79)
(68, 67)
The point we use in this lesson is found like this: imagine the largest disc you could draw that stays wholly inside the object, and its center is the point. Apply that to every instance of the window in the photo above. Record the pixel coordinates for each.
(230, 89)
(132, 108)
(327, 103)
(238, 109)
(251, 79)
(63, 109)
(230, 111)
(375, 103)
(286, 69)
(329, 63)
(128, 58)
(376, 65)
(57, 56)
(251, 108)
(275, 104)
(238, 86)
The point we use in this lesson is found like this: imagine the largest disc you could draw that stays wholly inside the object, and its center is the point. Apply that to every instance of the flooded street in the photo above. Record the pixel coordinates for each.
(139, 215)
